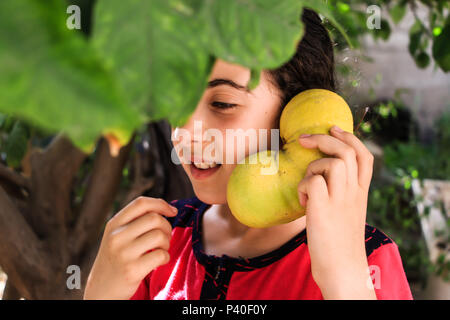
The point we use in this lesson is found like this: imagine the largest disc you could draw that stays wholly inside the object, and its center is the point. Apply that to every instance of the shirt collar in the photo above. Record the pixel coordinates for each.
(239, 264)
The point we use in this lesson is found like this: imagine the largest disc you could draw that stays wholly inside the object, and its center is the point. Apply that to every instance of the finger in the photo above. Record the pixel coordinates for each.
(334, 172)
(143, 224)
(154, 239)
(333, 146)
(142, 205)
(364, 158)
(302, 198)
(149, 261)
(315, 189)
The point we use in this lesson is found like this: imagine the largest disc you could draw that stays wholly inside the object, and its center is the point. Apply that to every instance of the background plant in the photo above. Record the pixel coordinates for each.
(428, 38)
(392, 205)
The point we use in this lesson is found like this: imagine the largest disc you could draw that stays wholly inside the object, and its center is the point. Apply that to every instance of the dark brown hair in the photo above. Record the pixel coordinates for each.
(311, 67)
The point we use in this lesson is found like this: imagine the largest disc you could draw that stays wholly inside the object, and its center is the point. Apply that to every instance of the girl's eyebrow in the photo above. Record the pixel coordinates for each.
(228, 82)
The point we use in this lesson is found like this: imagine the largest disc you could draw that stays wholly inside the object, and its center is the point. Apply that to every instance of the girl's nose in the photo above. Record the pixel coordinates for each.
(188, 139)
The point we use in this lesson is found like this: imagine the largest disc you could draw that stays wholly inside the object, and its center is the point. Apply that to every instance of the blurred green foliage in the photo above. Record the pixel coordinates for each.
(391, 208)
(432, 32)
(131, 71)
(15, 137)
(392, 205)
(121, 72)
(387, 122)
(53, 78)
(430, 161)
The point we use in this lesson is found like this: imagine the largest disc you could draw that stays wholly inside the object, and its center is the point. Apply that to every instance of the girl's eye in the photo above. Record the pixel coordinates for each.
(223, 105)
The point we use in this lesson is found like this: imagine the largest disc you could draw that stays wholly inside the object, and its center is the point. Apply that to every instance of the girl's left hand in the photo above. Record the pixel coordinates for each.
(335, 191)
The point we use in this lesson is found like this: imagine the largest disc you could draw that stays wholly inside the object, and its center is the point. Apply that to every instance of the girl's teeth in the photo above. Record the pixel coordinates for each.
(205, 165)
(202, 165)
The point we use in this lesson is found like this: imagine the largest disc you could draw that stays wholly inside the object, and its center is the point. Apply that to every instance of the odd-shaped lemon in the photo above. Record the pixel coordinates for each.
(262, 189)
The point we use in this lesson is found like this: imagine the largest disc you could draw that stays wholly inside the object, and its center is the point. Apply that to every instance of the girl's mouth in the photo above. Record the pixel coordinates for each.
(201, 171)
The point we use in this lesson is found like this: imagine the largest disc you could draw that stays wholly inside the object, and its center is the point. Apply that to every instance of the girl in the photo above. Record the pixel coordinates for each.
(196, 249)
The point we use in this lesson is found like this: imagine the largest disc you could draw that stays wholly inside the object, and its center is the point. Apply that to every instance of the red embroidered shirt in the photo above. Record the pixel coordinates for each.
(284, 273)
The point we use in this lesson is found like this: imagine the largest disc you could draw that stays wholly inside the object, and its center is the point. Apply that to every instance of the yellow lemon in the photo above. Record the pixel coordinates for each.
(262, 189)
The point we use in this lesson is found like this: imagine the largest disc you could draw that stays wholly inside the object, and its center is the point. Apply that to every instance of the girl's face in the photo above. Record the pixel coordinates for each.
(225, 104)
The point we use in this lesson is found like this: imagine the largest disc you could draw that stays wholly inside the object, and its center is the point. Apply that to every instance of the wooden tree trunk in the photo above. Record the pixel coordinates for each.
(43, 230)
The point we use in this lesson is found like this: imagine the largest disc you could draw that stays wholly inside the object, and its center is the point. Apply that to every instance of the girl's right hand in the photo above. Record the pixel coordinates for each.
(123, 259)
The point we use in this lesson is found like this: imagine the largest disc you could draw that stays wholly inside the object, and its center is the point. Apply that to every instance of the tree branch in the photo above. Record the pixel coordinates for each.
(99, 196)
(10, 292)
(22, 254)
(52, 173)
(139, 186)
(171, 179)
(138, 173)
(14, 177)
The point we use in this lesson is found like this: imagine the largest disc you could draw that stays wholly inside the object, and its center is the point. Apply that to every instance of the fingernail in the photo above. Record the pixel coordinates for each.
(337, 129)
(304, 136)
(175, 210)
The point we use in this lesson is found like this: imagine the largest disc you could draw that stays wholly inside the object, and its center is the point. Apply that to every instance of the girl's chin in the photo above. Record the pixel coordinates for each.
(209, 185)
(210, 197)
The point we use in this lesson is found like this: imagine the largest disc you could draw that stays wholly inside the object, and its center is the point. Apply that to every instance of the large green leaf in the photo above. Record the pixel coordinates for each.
(258, 34)
(163, 55)
(51, 77)
(155, 48)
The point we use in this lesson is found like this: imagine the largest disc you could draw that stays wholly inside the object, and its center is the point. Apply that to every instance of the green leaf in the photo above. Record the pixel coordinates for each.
(384, 32)
(342, 7)
(157, 55)
(415, 38)
(422, 59)
(16, 144)
(3, 121)
(398, 12)
(183, 39)
(441, 48)
(258, 34)
(51, 77)
(254, 79)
